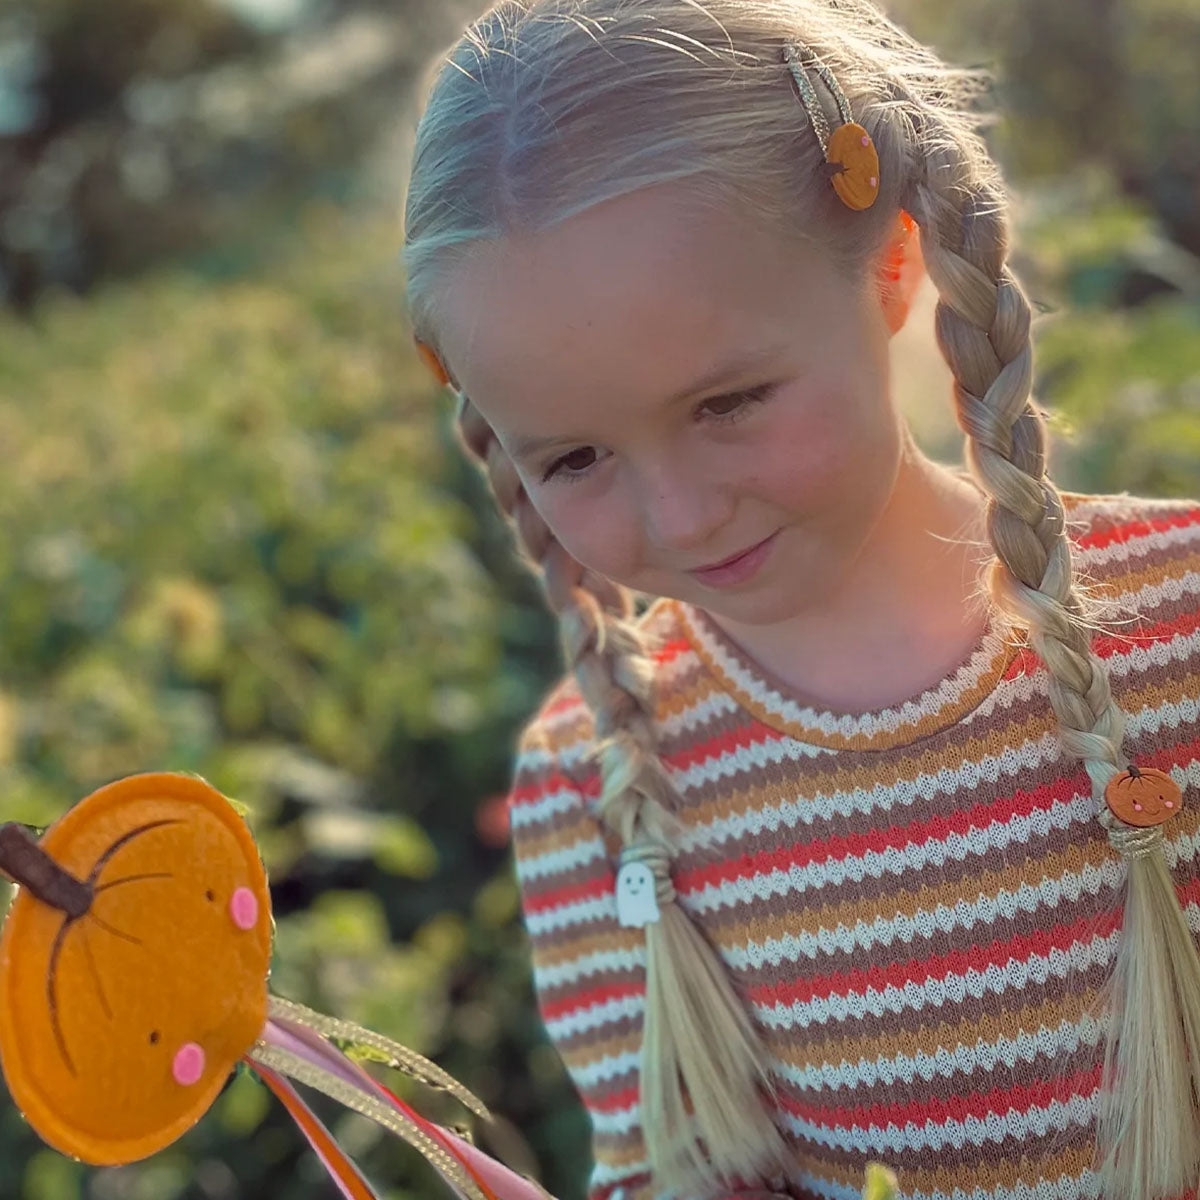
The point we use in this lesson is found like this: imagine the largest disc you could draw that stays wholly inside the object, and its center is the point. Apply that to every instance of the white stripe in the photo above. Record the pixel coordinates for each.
(716, 703)
(1037, 1120)
(561, 861)
(611, 1066)
(599, 962)
(936, 991)
(581, 912)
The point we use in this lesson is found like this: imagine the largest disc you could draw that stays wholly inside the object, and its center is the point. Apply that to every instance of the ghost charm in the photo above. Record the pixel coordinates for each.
(636, 901)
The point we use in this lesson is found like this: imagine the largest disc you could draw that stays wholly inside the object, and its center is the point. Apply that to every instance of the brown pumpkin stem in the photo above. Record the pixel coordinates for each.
(29, 865)
(1133, 771)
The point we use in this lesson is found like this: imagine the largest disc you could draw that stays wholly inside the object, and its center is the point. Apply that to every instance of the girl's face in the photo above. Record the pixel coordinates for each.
(674, 387)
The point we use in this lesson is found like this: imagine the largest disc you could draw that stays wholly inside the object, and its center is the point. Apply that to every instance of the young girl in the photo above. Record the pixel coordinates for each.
(847, 845)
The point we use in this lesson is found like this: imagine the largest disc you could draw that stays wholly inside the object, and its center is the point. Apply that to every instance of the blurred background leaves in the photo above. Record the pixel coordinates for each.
(236, 536)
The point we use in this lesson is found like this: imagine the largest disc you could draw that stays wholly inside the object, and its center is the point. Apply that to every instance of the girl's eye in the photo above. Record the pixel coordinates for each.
(725, 409)
(730, 408)
(571, 466)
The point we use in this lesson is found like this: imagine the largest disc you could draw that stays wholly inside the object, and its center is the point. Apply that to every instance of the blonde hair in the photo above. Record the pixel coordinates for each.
(542, 110)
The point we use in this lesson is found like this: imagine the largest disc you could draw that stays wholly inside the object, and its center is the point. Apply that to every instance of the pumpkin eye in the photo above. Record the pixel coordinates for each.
(154, 1037)
(208, 895)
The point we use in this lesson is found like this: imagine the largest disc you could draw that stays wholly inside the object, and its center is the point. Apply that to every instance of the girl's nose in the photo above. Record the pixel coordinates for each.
(684, 508)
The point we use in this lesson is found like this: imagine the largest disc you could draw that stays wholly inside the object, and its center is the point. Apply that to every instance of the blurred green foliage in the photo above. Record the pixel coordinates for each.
(1122, 382)
(239, 547)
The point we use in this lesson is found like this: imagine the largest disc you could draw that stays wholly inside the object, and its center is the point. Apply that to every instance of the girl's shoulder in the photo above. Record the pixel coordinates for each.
(1106, 510)
(1124, 542)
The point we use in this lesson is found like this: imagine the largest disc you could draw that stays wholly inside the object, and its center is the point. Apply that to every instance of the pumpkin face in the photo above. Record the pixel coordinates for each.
(119, 1026)
(1143, 796)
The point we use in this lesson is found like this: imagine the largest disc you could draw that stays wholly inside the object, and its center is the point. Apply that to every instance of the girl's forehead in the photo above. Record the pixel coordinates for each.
(635, 294)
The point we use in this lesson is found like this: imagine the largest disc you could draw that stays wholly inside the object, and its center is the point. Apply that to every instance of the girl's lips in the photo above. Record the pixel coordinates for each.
(738, 568)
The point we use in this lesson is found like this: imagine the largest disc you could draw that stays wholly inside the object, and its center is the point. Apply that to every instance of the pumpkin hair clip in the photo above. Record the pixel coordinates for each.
(133, 979)
(850, 155)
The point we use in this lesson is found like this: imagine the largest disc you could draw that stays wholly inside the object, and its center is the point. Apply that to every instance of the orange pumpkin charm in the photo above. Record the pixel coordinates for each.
(1143, 796)
(857, 184)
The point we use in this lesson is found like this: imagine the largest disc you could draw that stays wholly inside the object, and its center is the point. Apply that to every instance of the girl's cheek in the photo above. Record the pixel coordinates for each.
(594, 525)
(799, 459)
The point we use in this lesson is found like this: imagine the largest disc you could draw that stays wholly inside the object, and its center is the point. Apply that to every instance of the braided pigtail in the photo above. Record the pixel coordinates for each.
(687, 1099)
(1148, 1126)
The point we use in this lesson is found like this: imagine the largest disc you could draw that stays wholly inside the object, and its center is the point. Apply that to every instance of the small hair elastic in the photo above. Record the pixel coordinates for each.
(430, 358)
(848, 150)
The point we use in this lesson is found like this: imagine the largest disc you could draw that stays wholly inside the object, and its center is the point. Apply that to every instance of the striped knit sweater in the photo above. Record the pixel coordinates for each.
(916, 904)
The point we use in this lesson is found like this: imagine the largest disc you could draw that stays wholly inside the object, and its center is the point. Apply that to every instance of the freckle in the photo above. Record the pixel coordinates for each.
(188, 1065)
(243, 908)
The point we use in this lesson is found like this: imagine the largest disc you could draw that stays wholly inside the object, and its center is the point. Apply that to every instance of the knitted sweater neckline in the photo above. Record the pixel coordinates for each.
(773, 702)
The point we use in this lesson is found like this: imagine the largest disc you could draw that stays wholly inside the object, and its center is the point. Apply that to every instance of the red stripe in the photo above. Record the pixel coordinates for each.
(574, 893)
(530, 793)
(589, 998)
(753, 733)
(671, 650)
(1108, 645)
(1127, 531)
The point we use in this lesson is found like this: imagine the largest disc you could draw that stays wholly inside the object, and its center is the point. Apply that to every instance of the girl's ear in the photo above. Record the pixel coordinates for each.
(899, 271)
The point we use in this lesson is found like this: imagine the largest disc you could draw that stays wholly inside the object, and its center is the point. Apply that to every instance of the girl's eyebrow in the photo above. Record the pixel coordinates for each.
(743, 363)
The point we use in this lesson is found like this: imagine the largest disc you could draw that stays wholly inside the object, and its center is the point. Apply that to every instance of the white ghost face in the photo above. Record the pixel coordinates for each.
(636, 901)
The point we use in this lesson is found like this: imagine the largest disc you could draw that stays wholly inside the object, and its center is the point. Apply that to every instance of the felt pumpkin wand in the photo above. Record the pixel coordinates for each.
(133, 979)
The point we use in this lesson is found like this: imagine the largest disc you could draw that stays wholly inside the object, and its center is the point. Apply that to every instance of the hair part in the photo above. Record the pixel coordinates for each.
(542, 110)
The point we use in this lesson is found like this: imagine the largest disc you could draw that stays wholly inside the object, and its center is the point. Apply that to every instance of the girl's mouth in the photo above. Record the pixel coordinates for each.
(738, 568)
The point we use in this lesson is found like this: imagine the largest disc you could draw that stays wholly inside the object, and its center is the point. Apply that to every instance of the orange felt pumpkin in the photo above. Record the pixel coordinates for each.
(133, 978)
(112, 1039)
(1143, 796)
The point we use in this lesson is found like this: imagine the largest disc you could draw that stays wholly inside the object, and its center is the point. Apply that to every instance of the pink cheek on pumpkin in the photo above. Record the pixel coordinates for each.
(1137, 808)
(188, 1065)
(243, 908)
